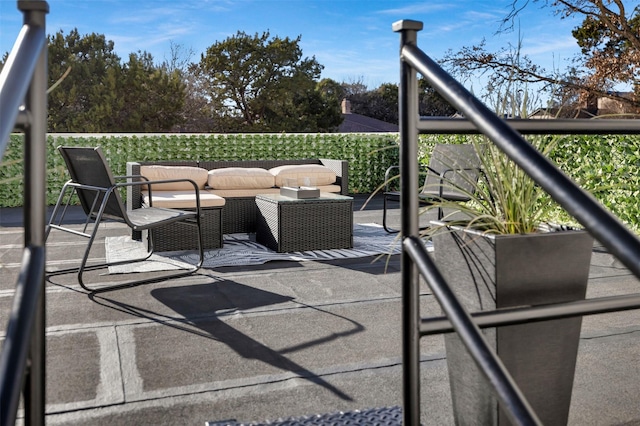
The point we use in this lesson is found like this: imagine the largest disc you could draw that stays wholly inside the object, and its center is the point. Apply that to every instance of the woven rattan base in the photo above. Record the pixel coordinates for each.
(183, 236)
(239, 215)
(286, 224)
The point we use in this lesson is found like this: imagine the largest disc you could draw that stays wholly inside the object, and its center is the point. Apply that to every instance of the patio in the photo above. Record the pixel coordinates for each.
(277, 340)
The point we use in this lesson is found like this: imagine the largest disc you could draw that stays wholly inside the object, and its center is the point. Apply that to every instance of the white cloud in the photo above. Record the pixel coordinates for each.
(552, 45)
(418, 8)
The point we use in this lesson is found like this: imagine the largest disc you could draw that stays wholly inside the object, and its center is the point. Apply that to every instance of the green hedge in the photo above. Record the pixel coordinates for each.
(607, 166)
(369, 155)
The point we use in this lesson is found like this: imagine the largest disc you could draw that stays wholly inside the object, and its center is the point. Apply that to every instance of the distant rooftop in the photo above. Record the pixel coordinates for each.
(356, 123)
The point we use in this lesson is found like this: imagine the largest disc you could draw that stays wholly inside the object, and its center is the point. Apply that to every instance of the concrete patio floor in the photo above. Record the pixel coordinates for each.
(274, 341)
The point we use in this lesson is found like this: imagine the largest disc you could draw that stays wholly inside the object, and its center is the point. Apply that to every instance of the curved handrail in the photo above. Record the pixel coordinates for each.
(16, 77)
(545, 126)
(13, 358)
(24, 79)
(604, 226)
(600, 223)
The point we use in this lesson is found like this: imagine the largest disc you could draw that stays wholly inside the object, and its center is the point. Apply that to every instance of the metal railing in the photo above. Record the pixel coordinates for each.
(24, 81)
(602, 225)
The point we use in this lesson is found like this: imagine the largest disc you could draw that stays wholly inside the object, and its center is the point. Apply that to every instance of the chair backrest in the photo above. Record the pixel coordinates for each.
(460, 164)
(87, 166)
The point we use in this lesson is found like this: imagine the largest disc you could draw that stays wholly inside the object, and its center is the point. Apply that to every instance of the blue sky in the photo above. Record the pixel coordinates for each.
(351, 38)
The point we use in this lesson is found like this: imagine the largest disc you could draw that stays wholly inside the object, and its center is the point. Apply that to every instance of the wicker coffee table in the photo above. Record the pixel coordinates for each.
(289, 224)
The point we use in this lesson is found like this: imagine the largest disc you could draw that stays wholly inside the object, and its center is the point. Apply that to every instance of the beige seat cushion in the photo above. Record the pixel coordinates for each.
(319, 175)
(336, 189)
(230, 193)
(196, 174)
(183, 199)
(240, 178)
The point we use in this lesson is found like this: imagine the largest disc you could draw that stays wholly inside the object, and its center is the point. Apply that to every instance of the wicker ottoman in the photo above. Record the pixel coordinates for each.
(183, 236)
(287, 224)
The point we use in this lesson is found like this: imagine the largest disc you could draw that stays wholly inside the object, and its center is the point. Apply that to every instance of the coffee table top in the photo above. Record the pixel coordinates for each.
(324, 196)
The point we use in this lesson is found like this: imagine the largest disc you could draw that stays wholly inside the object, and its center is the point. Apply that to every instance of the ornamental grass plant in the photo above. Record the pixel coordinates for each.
(503, 200)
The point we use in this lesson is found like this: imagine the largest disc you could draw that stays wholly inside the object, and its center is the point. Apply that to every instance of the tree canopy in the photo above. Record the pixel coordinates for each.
(609, 38)
(264, 83)
(99, 94)
(259, 83)
(382, 103)
(244, 83)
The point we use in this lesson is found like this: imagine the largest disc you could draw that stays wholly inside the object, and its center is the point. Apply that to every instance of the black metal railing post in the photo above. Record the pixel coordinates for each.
(23, 82)
(408, 113)
(35, 202)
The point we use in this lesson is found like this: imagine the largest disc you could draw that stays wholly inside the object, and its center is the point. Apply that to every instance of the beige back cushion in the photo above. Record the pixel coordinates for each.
(318, 175)
(240, 178)
(196, 174)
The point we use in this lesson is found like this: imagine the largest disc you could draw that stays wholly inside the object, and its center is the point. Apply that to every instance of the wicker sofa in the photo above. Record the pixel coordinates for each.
(238, 211)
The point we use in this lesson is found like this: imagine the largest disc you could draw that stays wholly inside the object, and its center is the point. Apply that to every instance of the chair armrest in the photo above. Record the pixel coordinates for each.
(341, 169)
(388, 179)
(130, 176)
(134, 197)
(442, 175)
(148, 183)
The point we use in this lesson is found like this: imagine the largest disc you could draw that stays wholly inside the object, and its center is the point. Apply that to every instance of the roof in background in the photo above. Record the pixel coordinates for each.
(354, 123)
(357, 123)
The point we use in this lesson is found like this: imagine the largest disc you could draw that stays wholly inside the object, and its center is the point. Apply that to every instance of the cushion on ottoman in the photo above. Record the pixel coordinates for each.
(243, 193)
(196, 174)
(240, 178)
(182, 199)
(319, 175)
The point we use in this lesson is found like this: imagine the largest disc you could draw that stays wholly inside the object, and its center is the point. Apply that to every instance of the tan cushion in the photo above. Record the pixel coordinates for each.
(230, 193)
(240, 178)
(182, 199)
(322, 175)
(196, 174)
(330, 188)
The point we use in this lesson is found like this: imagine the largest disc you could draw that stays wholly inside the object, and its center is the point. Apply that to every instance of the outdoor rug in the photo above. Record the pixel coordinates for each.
(242, 249)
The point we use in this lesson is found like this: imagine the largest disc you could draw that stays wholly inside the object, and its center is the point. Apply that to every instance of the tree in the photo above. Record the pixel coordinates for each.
(382, 103)
(151, 98)
(195, 114)
(85, 98)
(258, 83)
(91, 91)
(179, 58)
(354, 86)
(197, 111)
(610, 44)
(431, 103)
(609, 37)
(324, 105)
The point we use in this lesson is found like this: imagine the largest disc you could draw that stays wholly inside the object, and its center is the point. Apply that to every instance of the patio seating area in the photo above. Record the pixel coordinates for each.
(279, 340)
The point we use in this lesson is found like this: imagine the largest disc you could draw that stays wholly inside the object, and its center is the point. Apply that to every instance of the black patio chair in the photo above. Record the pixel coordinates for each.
(451, 175)
(99, 195)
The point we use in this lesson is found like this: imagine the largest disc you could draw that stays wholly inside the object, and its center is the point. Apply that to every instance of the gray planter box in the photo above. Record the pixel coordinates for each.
(516, 270)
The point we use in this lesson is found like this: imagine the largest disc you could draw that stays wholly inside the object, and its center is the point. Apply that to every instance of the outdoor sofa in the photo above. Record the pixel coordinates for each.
(227, 191)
